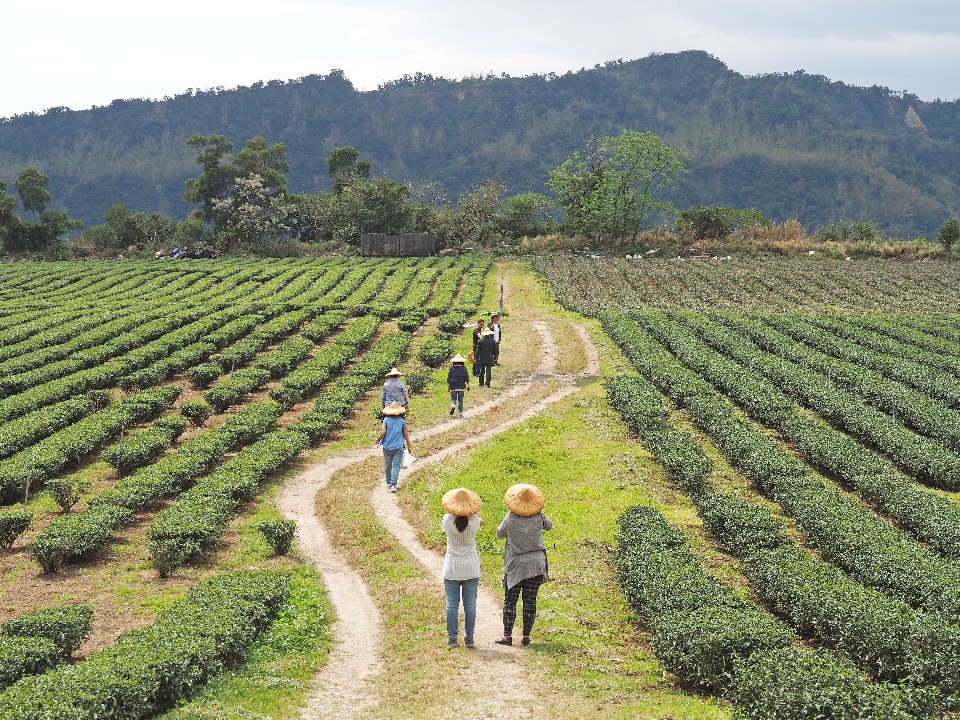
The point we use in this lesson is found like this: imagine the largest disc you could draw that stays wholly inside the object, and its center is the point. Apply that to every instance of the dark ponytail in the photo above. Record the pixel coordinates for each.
(460, 522)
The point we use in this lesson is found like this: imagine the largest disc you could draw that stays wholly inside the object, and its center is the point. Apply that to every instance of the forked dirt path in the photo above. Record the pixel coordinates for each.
(345, 687)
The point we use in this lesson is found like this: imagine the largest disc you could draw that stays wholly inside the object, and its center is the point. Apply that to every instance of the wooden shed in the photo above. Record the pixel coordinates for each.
(403, 245)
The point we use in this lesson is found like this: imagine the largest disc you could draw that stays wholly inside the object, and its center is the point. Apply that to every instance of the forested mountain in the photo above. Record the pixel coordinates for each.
(791, 145)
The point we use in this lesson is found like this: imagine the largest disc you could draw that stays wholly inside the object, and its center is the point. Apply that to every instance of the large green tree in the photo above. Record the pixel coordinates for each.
(611, 190)
(240, 194)
(50, 225)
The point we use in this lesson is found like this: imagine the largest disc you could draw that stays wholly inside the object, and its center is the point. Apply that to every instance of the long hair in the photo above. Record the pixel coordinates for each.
(460, 522)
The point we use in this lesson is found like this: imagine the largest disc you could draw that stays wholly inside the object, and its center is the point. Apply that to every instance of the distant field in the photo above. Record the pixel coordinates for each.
(811, 283)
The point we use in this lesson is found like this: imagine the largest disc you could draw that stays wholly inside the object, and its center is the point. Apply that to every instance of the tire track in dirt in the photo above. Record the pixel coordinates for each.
(345, 688)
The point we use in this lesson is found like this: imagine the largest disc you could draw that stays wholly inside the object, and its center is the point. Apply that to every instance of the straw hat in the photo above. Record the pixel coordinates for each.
(486, 333)
(524, 499)
(461, 501)
(394, 408)
(393, 373)
(458, 358)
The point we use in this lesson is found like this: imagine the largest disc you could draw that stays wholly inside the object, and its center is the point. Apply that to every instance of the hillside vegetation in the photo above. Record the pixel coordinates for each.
(790, 145)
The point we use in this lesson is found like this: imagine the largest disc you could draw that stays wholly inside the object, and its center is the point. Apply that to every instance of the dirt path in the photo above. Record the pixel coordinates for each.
(345, 687)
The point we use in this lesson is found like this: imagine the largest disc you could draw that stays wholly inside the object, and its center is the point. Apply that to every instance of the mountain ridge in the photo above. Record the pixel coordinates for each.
(789, 144)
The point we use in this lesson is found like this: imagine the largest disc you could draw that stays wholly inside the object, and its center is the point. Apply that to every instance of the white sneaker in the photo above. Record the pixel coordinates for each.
(393, 488)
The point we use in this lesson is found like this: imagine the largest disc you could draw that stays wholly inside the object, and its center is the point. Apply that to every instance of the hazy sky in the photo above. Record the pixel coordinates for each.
(81, 53)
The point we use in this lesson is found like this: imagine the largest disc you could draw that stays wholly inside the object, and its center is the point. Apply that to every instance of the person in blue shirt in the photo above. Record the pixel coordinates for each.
(394, 390)
(458, 382)
(394, 437)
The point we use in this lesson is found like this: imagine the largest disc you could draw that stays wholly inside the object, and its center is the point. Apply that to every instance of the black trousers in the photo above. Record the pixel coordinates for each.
(528, 588)
(484, 371)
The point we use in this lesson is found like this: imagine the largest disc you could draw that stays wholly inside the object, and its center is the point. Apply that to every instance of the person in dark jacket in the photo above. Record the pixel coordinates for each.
(481, 325)
(484, 357)
(458, 382)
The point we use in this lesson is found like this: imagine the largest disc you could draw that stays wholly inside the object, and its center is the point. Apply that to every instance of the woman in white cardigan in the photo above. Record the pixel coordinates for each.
(461, 564)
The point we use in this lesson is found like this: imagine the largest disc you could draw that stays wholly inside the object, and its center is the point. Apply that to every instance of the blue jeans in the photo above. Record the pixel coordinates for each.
(392, 460)
(456, 396)
(468, 588)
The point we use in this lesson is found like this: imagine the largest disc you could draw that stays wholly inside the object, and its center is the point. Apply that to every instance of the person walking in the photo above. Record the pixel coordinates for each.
(481, 326)
(484, 357)
(461, 564)
(495, 327)
(458, 382)
(394, 390)
(524, 557)
(394, 437)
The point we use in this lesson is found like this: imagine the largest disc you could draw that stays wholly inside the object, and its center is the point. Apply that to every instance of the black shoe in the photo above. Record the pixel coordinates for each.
(504, 641)
(451, 411)
(525, 640)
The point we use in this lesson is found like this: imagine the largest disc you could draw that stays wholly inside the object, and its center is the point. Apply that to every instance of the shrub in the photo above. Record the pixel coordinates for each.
(147, 671)
(279, 533)
(66, 491)
(195, 411)
(701, 222)
(417, 380)
(13, 524)
(67, 627)
(21, 656)
(949, 234)
(788, 684)
(435, 351)
(410, 320)
(452, 321)
(202, 375)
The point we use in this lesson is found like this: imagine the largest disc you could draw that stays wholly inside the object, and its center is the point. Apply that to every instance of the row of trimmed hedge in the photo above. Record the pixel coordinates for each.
(192, 524)
(930, 517)
(22, 432)
(719, 642)
(843, 530)
(925, 458)
(143, 446)
(884, 635)
(926, 378)
(917, 409)
(41, 461)
(33, 642)
(149, 670)
(702, 630)
(75, 536)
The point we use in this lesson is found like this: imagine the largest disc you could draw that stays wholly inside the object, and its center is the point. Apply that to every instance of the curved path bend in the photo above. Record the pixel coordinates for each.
(345, 686)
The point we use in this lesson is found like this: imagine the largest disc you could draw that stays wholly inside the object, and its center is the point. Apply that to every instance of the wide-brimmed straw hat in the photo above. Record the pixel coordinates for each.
(393, 373)
(486, 332)
(461, 501)
(458, 358)
(394, 408)
(524, 499)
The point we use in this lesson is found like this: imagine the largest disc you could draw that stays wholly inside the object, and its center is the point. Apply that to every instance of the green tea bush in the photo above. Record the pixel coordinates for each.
(790, 684)
(202, 375)
(22, 656)
(13, 524)
(279, 533)
(410, 320)
(417, 380)
(435, 351)
(147, 671)
(195, 411)
(452, 321)
(67, 627)
(66, 491)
